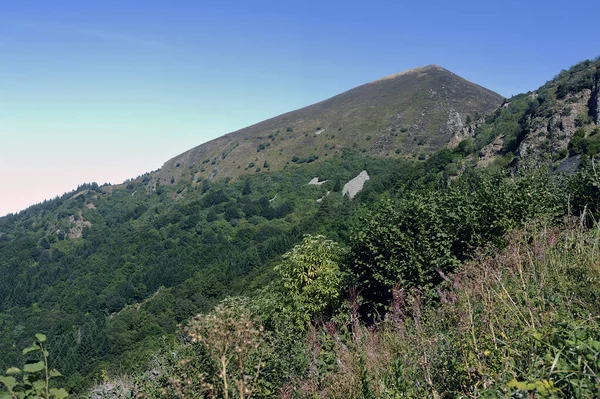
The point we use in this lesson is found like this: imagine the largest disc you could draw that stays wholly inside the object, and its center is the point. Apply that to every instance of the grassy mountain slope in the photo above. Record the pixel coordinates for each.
(412, 112)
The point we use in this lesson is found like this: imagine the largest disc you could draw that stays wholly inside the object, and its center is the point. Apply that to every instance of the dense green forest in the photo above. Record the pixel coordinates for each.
(110, 297)
(440, 279)
(487, 287)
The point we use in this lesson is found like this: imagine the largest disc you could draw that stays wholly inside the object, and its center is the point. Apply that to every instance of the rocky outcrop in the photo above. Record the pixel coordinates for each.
(315, 182)
(594, 103)
(78, 223)
(355, 185)
(467, 131)
(490, 151)
(547, 136)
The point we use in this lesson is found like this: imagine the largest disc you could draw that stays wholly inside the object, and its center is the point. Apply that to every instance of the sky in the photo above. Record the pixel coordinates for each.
(107, 90)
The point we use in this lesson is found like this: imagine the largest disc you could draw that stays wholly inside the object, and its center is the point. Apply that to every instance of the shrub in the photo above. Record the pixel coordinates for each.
(522, 322)
(410, 241)
(311, 279)
(233, 344)
(582, 120)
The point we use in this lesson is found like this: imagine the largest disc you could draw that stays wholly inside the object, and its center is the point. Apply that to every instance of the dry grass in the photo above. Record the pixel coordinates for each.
(503, 320)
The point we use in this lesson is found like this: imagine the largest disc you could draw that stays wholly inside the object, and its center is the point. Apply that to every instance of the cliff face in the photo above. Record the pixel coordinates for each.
(594, 103)
(549, 135)
(559, 120)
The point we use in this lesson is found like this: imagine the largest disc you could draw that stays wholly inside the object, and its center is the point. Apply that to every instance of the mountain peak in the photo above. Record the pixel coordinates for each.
(410, 113)
(419, 70)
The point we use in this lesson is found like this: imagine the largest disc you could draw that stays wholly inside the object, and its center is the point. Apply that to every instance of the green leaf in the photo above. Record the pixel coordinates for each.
(58, 393)
(55, 373)
(31, 348)
(40, 337)
(9, 382)
(13, 371)
(39, 385)
(34, 367)
(5, 395)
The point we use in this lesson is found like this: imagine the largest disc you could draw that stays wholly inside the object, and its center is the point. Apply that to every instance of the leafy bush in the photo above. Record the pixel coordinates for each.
(311, 279)
(410, 242)
(582, 144)
(523, 322)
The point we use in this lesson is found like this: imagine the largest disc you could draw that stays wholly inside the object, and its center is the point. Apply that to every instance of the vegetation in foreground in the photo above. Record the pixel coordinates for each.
(510, 311)
(519, 322)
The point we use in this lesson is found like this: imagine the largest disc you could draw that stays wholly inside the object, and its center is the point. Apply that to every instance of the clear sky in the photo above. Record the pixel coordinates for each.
(107, 90)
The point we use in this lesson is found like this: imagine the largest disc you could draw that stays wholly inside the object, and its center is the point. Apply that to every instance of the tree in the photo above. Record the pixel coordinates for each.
(311, 278)
(247, 190)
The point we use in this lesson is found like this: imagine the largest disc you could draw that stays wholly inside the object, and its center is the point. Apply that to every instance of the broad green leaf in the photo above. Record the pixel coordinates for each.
(40, 337)
(13, 371)
(34, 367)
(5, 395)
(55, 373)
(31, 348)
(39, 385)
(58, 393)
(9, 382)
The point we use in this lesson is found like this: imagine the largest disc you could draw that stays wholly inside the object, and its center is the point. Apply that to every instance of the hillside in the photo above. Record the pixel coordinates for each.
(410, 113)
(555, 124)
(111, 273)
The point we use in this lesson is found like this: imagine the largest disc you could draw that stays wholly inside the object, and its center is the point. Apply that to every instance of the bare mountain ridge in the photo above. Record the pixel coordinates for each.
(406, 114)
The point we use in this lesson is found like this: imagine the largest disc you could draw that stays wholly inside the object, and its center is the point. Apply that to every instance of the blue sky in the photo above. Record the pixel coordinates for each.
(107, 90)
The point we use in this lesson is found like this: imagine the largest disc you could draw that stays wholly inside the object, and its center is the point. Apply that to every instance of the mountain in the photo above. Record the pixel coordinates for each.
(410, 113)
(109, 272)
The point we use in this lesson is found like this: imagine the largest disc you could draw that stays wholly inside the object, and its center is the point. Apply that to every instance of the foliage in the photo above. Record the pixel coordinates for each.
(585, 144)
(234, 344)
(311, 278)
(34, 380)
(522, 322)
(108, 299)
(412, 241)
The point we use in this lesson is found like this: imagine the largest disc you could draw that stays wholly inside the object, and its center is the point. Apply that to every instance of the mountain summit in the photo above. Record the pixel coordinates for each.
(406, 114)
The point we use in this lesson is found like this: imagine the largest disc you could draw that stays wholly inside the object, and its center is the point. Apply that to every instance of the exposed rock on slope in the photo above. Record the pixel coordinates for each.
(556, 121)
(315, 182)
(355, 185)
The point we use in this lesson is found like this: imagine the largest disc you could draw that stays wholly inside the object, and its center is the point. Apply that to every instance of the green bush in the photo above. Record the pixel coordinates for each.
(311, 279)
(411, 241)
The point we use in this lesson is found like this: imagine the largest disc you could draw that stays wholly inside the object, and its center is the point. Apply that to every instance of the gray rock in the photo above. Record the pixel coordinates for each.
(355, 185)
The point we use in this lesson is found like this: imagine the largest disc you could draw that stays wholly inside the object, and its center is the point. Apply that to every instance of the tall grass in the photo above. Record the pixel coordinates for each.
(522, 322)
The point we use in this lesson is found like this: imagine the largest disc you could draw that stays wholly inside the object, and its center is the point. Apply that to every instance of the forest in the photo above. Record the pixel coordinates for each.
(440, 279)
